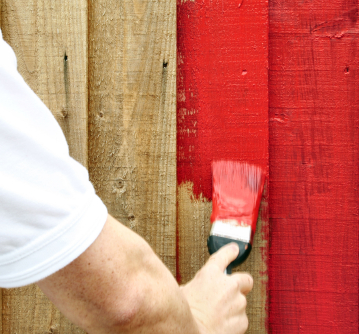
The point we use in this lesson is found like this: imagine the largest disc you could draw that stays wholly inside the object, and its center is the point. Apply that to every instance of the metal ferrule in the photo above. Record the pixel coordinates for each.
(230, 229)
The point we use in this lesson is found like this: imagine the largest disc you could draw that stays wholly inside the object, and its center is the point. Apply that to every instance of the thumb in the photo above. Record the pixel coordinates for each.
(224, 256)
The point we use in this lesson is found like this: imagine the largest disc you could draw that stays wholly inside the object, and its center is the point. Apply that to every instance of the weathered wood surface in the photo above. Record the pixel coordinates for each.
(50, 42)
(132, 116)
(222, 113)
(314, 156)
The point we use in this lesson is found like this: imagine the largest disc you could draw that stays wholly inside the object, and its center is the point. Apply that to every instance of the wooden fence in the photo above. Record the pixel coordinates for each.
(108, 71)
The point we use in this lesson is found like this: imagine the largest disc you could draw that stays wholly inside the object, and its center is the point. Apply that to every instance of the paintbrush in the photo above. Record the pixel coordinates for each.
(237, 190)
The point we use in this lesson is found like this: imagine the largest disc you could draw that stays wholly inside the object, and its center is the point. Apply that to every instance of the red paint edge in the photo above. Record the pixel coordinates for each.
(222, 89)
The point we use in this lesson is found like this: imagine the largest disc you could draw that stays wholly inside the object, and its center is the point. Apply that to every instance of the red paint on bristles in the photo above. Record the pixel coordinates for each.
(237, 191)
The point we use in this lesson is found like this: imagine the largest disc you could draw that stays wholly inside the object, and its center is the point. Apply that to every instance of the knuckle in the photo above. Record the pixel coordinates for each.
(238, 281)
(246, 282)
(203, 272)
(248, 279)
(207, 270)
(243, 301)
(214, 258)
(211, 266)
(245, 323)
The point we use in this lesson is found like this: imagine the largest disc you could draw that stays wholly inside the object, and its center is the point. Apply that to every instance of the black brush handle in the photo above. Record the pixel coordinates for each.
(214, 243)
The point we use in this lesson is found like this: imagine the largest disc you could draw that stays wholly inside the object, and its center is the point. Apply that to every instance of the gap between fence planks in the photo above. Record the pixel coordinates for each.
(50, 42)
(132, 116)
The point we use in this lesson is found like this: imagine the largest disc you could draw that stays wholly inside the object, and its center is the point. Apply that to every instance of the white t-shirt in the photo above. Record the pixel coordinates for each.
(49, 212)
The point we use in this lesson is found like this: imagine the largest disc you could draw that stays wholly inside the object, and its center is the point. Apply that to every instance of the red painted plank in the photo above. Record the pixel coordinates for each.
(313, 204)
(222, 103)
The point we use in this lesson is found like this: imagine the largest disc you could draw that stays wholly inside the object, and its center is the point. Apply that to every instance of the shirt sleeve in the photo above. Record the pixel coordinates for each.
(49, 212)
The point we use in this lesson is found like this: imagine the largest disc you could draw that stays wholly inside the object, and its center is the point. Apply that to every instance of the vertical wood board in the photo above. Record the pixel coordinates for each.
(50, 42)
(222, 113)
(132, 116)
(313, 205)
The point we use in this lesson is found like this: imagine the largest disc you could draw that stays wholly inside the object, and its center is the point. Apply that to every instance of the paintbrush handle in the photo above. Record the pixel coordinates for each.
(228, 270)
(215, 242)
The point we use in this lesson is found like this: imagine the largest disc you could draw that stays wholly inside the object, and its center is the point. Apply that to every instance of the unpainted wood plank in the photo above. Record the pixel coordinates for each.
(50, 42)
(132, 122)
(222, 113)
(193, 216)
(193, 230)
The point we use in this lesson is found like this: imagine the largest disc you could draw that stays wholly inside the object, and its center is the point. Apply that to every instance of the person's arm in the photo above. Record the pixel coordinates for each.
(118, 285)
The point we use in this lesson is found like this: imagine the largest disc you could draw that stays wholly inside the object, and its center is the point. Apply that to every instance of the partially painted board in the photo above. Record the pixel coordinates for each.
(222, 113)
(50, 42)
(313, 203)
(132, 116)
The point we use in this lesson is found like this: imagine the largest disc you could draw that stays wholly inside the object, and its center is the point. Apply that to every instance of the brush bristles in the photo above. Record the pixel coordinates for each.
(237, 191)
(238, 174)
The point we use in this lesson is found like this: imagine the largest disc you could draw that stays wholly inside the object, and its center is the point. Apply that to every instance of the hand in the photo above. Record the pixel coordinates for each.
(218, 301)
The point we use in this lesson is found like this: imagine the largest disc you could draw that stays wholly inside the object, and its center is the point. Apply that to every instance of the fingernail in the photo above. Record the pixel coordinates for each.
(235, 247)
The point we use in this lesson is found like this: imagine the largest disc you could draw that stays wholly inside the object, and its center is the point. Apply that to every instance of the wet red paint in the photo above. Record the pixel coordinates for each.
(314, 105)
(313, 203)
(222, 99)
(237, 193)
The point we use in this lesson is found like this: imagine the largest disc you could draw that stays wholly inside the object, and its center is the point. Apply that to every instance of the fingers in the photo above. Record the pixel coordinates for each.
(225, 256)
(243, 324)
(244, 282)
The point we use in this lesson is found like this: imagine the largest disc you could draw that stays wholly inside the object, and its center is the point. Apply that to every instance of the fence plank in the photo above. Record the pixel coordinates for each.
(50, 41)
(314, 133)
(132, 122)
(222, 113)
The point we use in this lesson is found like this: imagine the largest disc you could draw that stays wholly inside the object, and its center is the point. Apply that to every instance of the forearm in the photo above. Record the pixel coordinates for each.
(118, 285)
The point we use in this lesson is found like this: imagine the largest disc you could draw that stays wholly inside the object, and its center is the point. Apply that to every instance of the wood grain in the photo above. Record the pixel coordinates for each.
(132, 116)
(193, 216)
(193, 230)
(50, 42)
(222, 113)
(314, 150)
